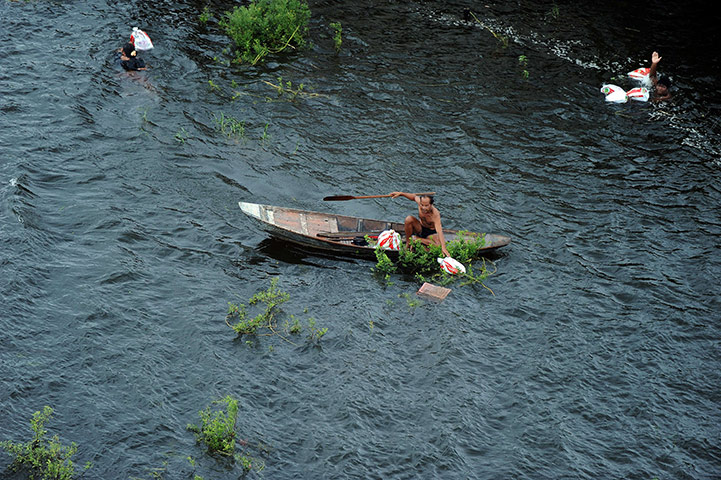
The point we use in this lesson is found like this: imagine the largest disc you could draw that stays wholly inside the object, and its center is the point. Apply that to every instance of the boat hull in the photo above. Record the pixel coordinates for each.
(335, 233)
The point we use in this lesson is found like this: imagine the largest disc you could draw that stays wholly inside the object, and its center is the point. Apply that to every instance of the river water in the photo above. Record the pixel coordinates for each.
(122, 243)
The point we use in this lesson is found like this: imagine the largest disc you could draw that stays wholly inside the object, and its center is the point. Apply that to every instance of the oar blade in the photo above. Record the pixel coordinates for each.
(338, 198)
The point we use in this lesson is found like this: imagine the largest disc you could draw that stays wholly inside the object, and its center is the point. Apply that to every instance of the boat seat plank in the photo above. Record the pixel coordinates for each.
(350, 234)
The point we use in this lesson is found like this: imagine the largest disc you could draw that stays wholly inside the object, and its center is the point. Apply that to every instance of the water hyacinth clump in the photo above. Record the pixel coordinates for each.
(217, 428)
(42, 457)
(266, 26)
(421, 260)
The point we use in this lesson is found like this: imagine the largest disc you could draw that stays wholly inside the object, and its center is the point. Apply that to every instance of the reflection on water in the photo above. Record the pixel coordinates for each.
(121, 242)
(289, 253)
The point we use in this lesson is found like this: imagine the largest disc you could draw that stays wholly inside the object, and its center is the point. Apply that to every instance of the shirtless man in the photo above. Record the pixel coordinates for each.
(428, 229)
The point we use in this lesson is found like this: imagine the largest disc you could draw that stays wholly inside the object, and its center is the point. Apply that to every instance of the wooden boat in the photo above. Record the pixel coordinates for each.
(338, 233)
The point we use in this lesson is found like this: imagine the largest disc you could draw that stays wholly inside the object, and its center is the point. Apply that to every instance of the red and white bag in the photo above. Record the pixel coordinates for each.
(639, 94)
(389, 240)
(140, 39)
(640, 73)
(451, 265)
(614, 93)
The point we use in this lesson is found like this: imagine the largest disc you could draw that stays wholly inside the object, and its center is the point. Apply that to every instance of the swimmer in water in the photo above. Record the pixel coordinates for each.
(129, 58)
(662, 85)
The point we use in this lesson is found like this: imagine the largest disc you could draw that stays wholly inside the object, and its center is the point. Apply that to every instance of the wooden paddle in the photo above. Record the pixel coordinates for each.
(338, 198)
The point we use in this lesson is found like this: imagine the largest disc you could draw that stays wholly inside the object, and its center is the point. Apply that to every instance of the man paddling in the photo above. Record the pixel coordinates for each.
(428, 229)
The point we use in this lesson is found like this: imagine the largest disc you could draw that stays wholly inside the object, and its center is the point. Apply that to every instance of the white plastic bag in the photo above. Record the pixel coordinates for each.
(639, 94)
(614, 93)
(140, 39)
(451, 265)
(640, 73)
(389, 240)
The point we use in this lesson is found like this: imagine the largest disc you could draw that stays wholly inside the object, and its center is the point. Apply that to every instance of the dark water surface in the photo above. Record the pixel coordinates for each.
(121, 242)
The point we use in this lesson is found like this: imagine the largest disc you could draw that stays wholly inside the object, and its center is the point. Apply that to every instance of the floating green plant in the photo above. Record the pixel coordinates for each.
(229, 126)
(41, 457)
(287, 91)
(266, 136)
(421, 261)
(204, 15)
(411, 301)
(264, 323)
(384, 265)
(217, 426)
(337, 35)
(315, 333)
(555, 12)
(217, 431)
(503, 39)
(523, 62)
(181, 136)
(266, 26)
(295, 327)
(273, 297)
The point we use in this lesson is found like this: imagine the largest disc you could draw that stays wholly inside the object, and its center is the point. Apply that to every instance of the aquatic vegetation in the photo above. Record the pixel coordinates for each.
(221, 60)
(294, 328)
(156, 473)
(181, 136)
(286, 90)
(213, 86)
(384, 265)
(411, 301)
(468, 278)
(266, 26)
(43, 458)
(523, 62)
(315, 333)
(421, 261)
(217, 428)
(554, 12)
(217, 432)
(229, 126)
(272, 298)
(266, 136)
(204, 15)
(337, 38)
(501, 38)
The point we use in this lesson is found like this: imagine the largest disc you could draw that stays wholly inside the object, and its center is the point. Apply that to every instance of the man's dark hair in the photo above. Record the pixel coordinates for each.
(128, 49)
(429, 197)
(665, 81)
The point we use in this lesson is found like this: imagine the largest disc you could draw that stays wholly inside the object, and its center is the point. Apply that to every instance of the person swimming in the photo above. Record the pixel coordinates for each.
(662, 85)
(130, 60)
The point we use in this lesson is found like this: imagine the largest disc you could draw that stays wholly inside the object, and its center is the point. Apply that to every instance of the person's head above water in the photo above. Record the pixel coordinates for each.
(663, 85)
(129, 50)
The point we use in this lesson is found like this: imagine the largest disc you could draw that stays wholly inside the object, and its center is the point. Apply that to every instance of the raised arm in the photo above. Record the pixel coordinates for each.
(654, 66)
(409, 196)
